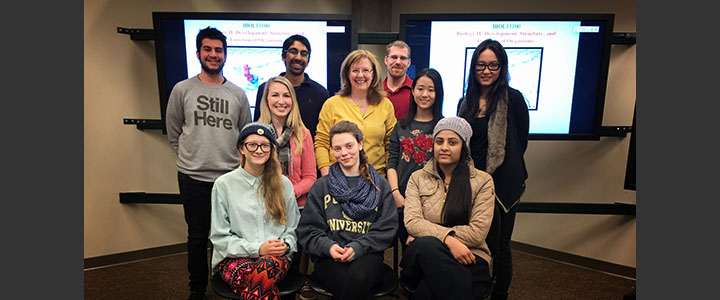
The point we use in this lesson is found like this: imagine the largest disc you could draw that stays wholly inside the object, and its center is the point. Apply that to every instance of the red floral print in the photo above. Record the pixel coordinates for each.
(423, 142)
(417, 147)
(419, 157)
(407, 145)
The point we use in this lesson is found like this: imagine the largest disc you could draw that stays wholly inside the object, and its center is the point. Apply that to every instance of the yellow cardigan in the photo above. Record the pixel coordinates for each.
(376, 124)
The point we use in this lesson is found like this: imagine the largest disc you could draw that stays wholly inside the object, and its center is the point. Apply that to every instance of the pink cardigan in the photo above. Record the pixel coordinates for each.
(303, 173)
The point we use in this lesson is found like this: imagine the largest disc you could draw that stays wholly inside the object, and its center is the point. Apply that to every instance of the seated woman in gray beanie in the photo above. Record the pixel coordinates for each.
(448, 211)
(349, 219)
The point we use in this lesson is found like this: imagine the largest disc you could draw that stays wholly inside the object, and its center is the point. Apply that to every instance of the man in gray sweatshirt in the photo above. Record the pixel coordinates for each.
(203, 120)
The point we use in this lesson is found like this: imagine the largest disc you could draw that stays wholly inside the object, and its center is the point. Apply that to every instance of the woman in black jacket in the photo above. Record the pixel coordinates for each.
(498, 115)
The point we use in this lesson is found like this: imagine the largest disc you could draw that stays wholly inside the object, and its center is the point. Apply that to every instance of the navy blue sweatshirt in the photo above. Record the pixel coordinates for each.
(323, 222)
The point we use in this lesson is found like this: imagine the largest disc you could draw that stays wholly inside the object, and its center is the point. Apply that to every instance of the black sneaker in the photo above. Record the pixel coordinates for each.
(197, 295)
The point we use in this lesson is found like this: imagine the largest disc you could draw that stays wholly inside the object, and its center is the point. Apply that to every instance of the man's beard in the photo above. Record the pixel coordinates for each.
(392, 73)
(211, 71)
(290, 69)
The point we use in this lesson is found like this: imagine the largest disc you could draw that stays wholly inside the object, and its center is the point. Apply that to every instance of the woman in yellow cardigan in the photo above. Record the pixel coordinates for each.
(361, 100)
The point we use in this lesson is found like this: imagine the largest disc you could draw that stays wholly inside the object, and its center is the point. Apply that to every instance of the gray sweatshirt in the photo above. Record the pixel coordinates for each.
(203, 122)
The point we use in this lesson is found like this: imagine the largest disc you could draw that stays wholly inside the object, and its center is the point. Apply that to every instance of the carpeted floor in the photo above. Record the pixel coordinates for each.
(533, 278)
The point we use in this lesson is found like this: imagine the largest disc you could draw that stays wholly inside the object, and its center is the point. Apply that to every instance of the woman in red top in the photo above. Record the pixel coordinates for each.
(295, 145)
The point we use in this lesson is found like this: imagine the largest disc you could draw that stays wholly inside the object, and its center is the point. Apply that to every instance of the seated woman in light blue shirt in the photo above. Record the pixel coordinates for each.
(254, 217)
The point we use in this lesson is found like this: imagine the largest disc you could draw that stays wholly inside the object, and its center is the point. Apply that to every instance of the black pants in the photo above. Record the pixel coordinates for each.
(502, 266)
(294, 267)
(195, 197)
(352, 280)
(295, 263)
(430, 269)
(402, 233)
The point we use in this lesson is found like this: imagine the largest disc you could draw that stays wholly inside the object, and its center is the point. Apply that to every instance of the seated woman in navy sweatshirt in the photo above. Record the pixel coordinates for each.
(349, 219)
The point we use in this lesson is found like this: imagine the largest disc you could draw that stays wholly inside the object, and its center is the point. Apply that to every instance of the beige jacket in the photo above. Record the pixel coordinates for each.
(424, 200)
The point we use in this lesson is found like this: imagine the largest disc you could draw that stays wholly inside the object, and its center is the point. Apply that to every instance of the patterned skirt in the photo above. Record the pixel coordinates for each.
(254, 278)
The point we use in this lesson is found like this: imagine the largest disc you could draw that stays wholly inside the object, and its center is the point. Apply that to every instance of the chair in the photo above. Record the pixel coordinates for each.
(492, 240)
(386, 287)
(292, 283)
(397, 244)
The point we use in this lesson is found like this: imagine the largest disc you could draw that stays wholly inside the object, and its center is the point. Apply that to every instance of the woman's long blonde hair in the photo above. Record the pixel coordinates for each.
(293, 120)
(272, 187)
(375, 92)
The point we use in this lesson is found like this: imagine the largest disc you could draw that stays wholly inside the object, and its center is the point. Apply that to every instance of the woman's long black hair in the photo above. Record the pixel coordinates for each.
(471, 106)
(458, 200)
(437, 105)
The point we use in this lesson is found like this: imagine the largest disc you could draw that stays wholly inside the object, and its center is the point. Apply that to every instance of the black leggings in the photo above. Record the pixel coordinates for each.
(352, 280)
(502, 267)
(430, 269)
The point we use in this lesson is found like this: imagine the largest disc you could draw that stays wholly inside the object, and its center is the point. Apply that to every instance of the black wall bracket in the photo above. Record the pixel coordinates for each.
(619, 131)
(623, 38)
(577, 208)
(149, 198)
(138, 34)
(143, 124)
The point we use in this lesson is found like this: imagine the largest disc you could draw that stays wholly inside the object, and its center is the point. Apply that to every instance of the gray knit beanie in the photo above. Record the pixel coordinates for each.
(456, 124)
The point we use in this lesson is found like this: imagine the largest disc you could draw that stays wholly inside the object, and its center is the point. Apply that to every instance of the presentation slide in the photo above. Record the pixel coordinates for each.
(255, 48)
(542, 57)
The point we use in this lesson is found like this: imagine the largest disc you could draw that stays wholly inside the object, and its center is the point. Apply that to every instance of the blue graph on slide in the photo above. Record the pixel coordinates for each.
(249, 67)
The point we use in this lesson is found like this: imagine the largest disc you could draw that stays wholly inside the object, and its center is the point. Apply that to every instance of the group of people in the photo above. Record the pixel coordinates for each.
(341, 178)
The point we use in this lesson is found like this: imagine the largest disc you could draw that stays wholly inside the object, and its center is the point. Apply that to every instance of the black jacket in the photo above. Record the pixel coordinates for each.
(510, 176)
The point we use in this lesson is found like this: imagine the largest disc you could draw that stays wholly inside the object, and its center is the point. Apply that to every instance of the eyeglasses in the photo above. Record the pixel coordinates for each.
(396, 57)
(295, 51)
(252, 147)
(357, 72)
(492, 67)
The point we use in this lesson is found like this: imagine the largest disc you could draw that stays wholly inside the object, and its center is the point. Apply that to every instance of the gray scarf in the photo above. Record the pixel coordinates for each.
(283, 150)
(497, 133)
(359, 201)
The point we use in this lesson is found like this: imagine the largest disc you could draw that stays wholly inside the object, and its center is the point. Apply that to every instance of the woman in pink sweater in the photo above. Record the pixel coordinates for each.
(295, 145)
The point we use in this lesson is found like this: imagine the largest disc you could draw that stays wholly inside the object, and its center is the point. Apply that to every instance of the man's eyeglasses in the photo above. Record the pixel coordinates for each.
(295, 51)
(396, 57)
(492, 67)
(252, 147)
